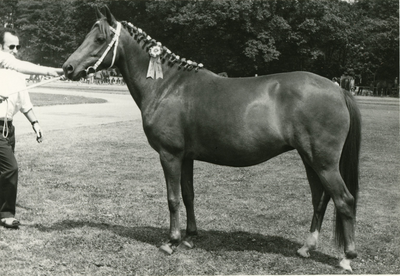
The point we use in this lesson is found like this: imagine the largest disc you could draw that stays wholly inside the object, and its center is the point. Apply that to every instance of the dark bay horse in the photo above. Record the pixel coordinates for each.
(193, 114)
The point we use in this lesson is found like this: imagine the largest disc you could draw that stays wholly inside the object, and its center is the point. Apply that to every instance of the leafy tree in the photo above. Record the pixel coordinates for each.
(45, 31)
(7, 12)
(375, 48)
(233, 36)
(239, 37)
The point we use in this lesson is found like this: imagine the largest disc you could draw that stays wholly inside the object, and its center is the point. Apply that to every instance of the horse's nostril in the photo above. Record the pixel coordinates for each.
(70, 68)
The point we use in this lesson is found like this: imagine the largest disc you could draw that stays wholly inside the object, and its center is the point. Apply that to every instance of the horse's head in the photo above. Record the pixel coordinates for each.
(98, 50)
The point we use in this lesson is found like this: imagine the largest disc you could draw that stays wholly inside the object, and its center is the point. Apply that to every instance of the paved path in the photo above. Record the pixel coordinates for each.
(119, 107)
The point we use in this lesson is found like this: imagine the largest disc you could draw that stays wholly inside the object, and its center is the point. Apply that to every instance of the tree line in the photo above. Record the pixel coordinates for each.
(239, 37)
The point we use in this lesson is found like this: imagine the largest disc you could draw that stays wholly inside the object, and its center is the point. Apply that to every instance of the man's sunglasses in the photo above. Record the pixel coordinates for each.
(11, 47)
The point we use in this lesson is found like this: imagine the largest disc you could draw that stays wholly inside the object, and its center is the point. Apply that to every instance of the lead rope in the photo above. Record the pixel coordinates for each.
(5, 125)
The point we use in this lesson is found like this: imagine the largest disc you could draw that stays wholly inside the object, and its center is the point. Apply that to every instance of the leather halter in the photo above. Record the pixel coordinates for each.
(115, 40)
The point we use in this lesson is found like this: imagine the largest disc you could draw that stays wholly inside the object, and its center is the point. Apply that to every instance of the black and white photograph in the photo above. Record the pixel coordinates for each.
(199, 137)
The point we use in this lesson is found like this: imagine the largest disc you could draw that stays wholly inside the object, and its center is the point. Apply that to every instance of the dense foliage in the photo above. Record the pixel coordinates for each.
(242, 38)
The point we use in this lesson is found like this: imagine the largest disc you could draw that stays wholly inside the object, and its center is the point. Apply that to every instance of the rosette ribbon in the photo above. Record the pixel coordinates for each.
(155, 70)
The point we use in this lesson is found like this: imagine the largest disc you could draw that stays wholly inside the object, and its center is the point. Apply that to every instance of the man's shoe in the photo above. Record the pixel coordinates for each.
(10, 223)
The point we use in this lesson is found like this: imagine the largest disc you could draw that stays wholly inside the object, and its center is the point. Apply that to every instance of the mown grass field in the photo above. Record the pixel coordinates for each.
(42, 99)
(93, 202)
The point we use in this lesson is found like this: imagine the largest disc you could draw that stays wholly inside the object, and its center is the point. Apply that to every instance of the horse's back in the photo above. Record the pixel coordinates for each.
(278, 96)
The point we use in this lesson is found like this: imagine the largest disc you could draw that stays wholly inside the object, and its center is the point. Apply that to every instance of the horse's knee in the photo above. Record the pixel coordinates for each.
(173, 205)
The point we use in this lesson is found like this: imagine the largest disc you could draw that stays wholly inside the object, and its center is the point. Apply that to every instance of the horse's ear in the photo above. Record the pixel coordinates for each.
(98, 13)
(110, 17)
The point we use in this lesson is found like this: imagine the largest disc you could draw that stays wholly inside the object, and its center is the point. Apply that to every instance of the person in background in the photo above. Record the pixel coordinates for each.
(335, 81)
(14, 97)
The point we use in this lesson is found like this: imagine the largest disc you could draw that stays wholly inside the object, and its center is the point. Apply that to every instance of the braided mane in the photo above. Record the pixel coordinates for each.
(171, 58)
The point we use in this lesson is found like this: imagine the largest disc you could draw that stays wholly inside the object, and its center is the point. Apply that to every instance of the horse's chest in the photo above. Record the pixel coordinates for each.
(164, 130)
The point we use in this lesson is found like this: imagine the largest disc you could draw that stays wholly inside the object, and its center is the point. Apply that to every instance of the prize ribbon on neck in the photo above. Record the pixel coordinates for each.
(155, 70)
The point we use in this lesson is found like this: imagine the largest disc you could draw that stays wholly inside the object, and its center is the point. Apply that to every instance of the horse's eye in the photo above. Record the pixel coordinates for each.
(100, 39)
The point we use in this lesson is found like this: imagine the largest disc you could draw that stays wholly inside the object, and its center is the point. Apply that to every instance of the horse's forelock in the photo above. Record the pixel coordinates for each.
(104, 28)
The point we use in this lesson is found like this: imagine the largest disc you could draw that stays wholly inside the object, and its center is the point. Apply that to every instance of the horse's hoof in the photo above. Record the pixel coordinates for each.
(303, 252)
(166, 249)
(351, 255)
(345, 264)
(186, 245)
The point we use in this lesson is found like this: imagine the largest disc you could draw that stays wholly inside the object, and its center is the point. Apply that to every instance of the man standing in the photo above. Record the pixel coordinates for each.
(15, 98)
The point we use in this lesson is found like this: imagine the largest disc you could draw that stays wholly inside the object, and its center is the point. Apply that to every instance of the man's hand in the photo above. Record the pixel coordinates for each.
(39, 136)
(2, 99)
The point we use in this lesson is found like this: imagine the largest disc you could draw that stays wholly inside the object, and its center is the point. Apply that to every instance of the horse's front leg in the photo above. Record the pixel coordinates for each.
(188, 200)
(172, 166)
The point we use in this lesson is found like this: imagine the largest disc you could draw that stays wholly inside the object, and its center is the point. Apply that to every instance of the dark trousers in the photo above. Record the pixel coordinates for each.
(8, 173)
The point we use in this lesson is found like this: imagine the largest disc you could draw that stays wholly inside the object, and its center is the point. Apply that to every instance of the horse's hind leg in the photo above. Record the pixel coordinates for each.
(320, 200)
(325, 184)
(345, 212)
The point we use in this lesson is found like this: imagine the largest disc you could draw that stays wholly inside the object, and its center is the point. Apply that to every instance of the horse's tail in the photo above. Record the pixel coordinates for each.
(349, 161)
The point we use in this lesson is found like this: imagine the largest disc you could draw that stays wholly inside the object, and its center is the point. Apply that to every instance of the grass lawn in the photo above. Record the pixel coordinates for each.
(93, 201)
(43, 99)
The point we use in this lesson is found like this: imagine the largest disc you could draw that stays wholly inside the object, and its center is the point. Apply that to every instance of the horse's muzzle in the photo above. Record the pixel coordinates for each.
(70, 73)
(68, 70)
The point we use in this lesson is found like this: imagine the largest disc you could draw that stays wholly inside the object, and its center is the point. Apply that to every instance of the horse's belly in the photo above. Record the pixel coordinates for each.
(238, 158)
(238, 150)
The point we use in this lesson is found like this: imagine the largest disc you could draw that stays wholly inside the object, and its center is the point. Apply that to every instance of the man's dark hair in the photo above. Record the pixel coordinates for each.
(6, 30)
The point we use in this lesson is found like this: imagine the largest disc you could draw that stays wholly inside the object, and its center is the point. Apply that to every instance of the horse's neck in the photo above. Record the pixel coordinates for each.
(133, 67)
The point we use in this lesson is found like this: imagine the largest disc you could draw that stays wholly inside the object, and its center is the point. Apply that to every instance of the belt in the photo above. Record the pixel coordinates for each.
(2, 122)
(6, 125)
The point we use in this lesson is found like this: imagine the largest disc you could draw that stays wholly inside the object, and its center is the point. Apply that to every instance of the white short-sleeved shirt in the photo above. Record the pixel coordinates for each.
(12, 85)
(8, 61)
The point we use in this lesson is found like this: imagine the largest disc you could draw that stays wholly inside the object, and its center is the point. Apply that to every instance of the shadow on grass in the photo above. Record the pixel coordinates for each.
(212, 241)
